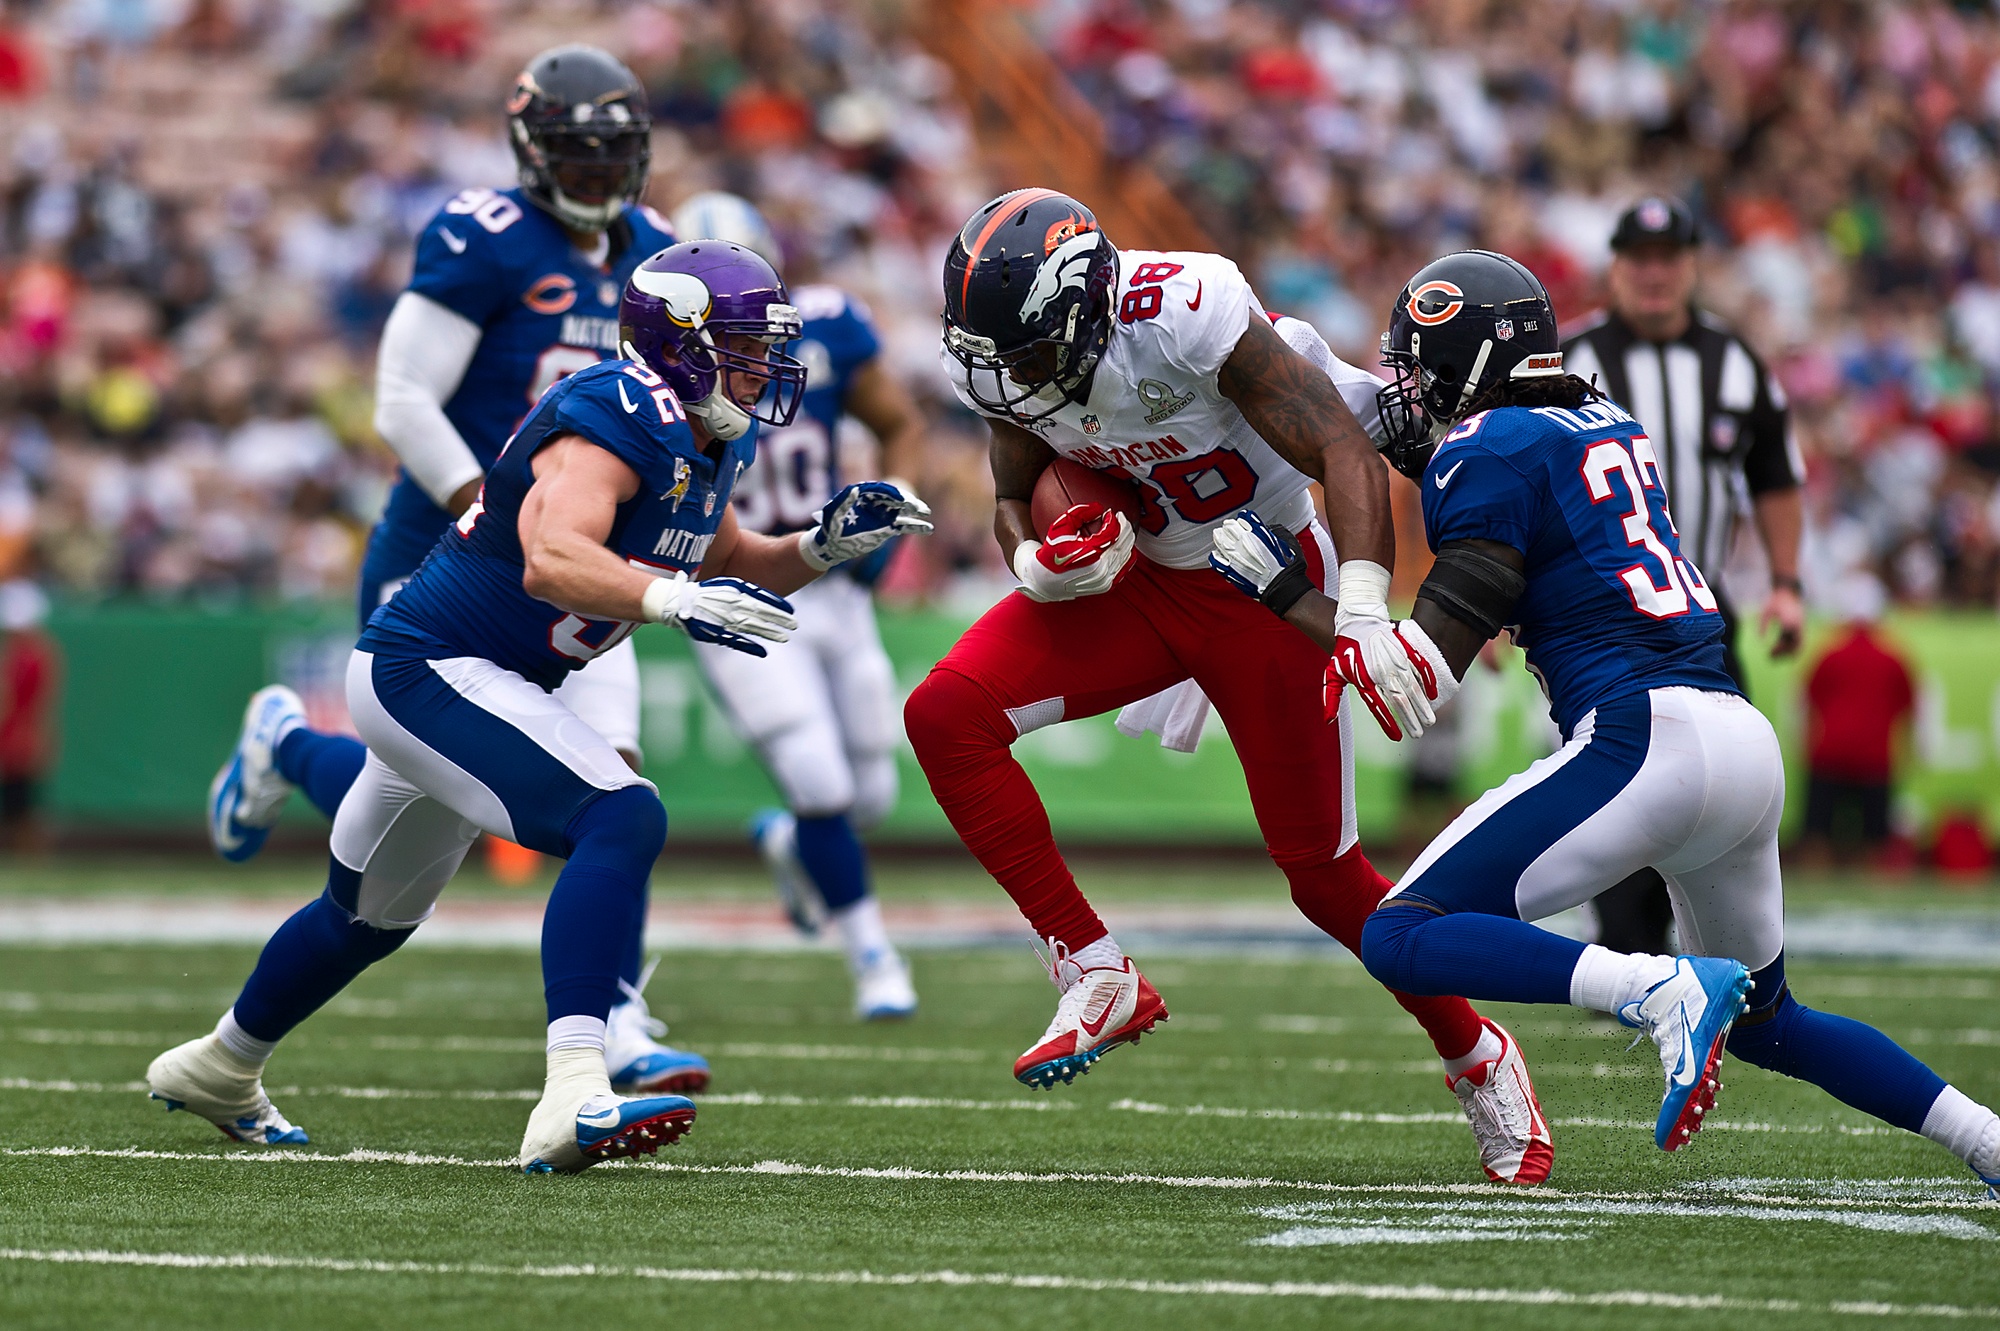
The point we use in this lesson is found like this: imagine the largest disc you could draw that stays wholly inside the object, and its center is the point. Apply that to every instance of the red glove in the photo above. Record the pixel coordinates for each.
(1086, 551)
(1400, 674)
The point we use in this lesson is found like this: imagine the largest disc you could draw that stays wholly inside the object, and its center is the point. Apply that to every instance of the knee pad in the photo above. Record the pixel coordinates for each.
(358, 943)
(948, 712)
(875, 786)
(1388, 942)
(624, 829)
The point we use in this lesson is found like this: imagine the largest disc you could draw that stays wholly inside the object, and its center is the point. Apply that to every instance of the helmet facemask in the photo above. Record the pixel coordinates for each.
(1034, 380)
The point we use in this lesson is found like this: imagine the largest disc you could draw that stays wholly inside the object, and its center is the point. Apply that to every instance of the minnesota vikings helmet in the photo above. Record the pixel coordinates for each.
(1027, 302)
(713, 320)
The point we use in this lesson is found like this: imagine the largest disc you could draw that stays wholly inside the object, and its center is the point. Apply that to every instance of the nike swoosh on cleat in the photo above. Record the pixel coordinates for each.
(1093, 1031)
(1686, 1064)
(603, 1118)
(1195, 304)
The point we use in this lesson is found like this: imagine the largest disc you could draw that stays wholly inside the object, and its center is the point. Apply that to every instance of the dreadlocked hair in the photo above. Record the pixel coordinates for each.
(1568, 391)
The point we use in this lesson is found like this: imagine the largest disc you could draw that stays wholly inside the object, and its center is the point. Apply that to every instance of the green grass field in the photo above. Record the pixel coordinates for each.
(1282, 1153)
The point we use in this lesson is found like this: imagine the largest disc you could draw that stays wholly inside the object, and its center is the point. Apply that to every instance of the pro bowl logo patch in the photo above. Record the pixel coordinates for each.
(1435, 302)
(1161, 400)
(1504, 329)
(553, 293)
(1091, 425)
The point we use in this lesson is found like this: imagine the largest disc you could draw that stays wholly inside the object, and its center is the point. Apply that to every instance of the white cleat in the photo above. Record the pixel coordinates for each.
(248, 794)
(636, 1061)
(882, 988)
(1100, 1009)
(1507, 1122)
(776, 833)
(208, 1081)
(577, 1125)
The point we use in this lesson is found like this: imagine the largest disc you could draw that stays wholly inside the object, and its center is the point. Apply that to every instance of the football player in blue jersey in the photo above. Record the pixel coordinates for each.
(820, 710)
(608, 509)
(512, 290)
(1544, 505)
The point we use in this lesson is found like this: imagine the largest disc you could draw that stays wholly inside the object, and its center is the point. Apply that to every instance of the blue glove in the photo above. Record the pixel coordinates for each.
(859, 521)
(726, 611)
(1260, 561)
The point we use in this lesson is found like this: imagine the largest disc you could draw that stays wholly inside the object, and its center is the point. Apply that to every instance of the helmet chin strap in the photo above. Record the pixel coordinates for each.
(723, 418)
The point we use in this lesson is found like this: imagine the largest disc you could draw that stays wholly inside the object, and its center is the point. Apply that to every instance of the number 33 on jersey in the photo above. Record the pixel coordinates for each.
(1612, 605)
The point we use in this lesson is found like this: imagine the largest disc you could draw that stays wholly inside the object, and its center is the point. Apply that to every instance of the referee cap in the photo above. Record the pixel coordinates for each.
(1657, 219)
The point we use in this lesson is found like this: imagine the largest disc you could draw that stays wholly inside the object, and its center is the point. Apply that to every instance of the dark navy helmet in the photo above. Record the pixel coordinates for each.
(713, 320)
(582, 135)
(1027, 302)
(1462, 324)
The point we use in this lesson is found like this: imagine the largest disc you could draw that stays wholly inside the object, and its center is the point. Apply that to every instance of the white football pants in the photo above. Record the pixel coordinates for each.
(821, 709)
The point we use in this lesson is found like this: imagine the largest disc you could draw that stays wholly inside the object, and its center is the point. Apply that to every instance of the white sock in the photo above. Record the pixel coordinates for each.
(1606, 981)
(1104, 952)
(862, 933)
(577, 1033)
(1966, 1128)
(1487, 1049)
(242, 1043)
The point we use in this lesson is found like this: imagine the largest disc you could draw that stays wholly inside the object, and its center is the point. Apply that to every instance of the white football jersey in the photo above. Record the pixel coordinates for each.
(1156, 415)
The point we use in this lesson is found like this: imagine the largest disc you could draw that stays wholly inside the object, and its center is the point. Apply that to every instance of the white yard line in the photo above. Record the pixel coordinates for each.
(1631, 1298)
(1952, 1195)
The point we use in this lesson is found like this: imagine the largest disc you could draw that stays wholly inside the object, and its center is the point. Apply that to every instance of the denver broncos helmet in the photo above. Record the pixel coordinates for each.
(1027, 302)
(1460, 325)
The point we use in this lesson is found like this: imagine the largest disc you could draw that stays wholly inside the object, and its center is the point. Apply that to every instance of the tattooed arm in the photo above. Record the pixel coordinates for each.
(1298, 412)
(1018, 459)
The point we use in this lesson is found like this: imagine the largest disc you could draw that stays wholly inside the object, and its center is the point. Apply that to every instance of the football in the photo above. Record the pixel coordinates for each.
(1066, 484)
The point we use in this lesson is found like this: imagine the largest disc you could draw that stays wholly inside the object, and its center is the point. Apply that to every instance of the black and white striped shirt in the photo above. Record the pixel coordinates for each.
(1718, 420)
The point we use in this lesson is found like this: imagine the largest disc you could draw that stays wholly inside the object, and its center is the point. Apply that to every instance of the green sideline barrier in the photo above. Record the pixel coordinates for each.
(154, 696)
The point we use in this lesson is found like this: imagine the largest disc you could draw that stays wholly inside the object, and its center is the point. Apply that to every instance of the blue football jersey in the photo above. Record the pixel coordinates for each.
(544, 310)
(467, 598)
(1612, 606)
(797, 468)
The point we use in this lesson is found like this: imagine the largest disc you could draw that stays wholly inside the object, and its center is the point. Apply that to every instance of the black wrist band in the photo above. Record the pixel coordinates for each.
(1283, 592)
(1786, 583)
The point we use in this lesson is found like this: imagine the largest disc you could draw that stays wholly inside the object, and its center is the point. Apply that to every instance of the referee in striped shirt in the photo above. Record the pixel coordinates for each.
(1719, 424)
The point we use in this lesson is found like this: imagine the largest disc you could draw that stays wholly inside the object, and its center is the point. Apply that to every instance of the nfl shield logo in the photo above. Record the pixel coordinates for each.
(607, 293)
(1504, 329)
(1090, 425)
(708, 504)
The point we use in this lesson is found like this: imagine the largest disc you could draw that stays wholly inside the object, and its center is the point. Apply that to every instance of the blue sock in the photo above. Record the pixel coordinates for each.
(321, 765)
(833, 859)
(1481, 957)
(1854, 1063)
(313, 956)
(597, 903)
(634, 964)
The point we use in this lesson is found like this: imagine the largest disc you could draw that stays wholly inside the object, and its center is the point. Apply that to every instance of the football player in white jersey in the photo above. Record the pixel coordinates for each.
(1164, 368)
(820, 710)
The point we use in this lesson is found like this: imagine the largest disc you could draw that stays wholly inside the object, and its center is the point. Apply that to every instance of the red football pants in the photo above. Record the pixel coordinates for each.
(1028, 664)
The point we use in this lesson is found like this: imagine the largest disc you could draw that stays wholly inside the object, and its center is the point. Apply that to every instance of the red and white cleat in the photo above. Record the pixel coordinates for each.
(1499, 1101)
(1100, 1009)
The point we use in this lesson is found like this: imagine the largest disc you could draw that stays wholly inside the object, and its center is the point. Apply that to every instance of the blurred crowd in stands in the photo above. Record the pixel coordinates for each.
(1843, 156)
(206, 209)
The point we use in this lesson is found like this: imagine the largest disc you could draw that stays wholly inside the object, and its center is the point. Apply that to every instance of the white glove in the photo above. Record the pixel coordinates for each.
(861, 520)
(1072, 564)
(721, 610)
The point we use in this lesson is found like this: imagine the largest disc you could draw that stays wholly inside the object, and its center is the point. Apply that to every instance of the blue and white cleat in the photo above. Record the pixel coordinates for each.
(1689, 1015)
(776, 833)
(567, 1135)
(208, 1081)
(248, 794)
(882, 988)
(634, 1058)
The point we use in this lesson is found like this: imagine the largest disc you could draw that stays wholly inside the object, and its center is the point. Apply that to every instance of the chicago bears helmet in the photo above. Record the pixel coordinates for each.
(707, 315)
(1462, 324)
(581, 134)
(1027, 302)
